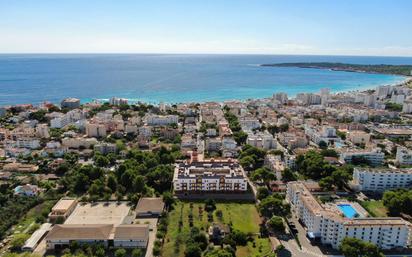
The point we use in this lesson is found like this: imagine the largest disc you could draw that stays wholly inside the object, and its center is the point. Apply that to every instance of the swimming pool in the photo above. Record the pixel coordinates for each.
(348, 210)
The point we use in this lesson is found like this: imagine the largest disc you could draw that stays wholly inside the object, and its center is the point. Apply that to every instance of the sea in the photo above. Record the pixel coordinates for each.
(175, 78)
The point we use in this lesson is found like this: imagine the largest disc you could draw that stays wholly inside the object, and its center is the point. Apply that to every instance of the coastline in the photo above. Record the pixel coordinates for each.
(155, 79)
(406, 82)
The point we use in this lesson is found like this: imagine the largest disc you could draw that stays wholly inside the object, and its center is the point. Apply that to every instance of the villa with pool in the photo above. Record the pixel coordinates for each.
(331, 222)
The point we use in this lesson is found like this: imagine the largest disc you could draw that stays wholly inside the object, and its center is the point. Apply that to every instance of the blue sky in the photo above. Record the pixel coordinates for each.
(336, 27)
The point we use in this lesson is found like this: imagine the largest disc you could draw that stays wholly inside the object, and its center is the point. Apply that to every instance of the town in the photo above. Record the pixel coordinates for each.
(318, 174)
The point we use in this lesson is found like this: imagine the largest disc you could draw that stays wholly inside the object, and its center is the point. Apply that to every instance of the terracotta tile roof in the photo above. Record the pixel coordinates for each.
(77, 232)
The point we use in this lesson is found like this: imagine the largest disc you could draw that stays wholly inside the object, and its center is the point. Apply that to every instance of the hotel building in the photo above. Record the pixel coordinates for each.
(374, 156)
(330, 224)
(381, 179)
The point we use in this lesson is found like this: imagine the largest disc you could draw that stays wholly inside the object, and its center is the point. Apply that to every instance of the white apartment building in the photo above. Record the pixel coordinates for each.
(209, 175)
(397, 99)
(211, 132)
(374, 156)
(275, 164)
(327, 222)
(290, 161)
(213, 144)
(145, 131)
(308, 98)
(403, 156)
(381, 179)
(384, 91)
(161, 120)
(326, 134)
(370, 100)
(228, 143)
(407, 106)
(130, 128)
(261, 140)
(249, 123)
(61, 120)
(281, 97)
(105, 148)
(24, 142)
(118, 101)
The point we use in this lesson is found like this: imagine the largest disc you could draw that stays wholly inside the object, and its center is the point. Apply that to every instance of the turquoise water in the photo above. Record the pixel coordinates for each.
(347, 210)
(174, 78)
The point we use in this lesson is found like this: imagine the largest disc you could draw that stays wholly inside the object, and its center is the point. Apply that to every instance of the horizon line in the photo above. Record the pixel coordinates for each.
(199, 53)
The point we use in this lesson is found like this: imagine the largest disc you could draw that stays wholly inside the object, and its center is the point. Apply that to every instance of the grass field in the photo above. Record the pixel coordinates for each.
(375, 208)
(241, 216)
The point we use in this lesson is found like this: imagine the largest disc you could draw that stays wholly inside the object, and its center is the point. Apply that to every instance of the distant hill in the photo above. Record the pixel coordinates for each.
(404, 70)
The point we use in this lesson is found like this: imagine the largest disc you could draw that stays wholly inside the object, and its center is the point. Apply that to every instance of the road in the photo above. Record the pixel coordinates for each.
(152, 233)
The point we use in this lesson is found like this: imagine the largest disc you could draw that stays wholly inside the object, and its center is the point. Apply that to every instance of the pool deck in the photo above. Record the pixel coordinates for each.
(356, 206)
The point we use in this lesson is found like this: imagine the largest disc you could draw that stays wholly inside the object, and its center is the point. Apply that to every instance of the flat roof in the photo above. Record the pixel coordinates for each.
(63, 204)
(99, 213)
(147, 204)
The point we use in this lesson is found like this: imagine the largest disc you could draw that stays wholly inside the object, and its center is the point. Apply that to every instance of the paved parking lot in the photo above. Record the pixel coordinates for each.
(99, 213)
(152, 233)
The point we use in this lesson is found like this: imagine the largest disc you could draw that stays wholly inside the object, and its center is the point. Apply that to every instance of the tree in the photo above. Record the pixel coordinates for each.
(139, 184)
(289, 175)
(200, 238)
(326, 183)
(62, 169)
(263, 174)
(262, 192)
(239, 237)
(220, 253)
(18, 241)
(341, 177)
(101, 161)
(353, 247)
(313, 165)
(329, 153)
(276, 224)
(100, 252)
(39, 116)
(168, 199)
(210, 205)
(284, 127)
(112, 182)
(193, 250)
(398, 201)
(240, 137)
(247, 162)
(323, 145)
(120, 252)
(273, 205)
(340, 134)
(137, 252)
(160, 179)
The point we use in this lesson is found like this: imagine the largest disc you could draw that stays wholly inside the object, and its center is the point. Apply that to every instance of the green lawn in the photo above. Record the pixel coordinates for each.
(375, 208)
(241, 216)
